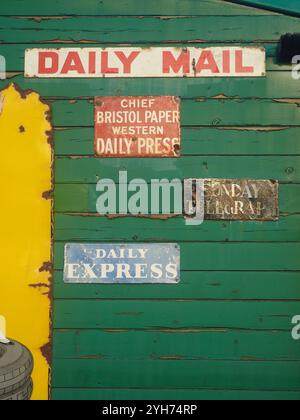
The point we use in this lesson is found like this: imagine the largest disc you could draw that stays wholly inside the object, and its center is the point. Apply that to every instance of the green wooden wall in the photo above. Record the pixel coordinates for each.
(225, 331)
(289, 7)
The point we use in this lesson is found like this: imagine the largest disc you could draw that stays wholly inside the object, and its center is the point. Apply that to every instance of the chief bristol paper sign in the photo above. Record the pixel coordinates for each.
(137, 126)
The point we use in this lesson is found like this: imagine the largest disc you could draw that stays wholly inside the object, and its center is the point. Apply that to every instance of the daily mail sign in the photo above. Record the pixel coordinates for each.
(146, 62)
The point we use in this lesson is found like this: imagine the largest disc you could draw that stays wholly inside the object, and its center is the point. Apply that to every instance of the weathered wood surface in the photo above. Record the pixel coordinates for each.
(90, 170)
(225, 329)
(146, 29)
(230, 285)
(85, 227)
(168, 314)
(177, 374)
(159, 345)
(197, 112)
(126, 8)
(233, 256)
(276, 85)
(14, 53)
(197, 141)
(171, 394)
(291, 7)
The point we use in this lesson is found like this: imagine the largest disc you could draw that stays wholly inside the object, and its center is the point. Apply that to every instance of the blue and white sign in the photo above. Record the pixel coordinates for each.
(124, 263)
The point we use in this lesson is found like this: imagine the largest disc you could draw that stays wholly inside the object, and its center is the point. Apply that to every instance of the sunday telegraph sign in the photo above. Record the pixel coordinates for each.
(146, 62)
(124, 263)
(244, 200)
(137, 126)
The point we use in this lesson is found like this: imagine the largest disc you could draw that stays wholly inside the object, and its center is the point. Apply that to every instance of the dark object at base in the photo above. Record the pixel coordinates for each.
(289, 47)
(16, 364)
(21, 394)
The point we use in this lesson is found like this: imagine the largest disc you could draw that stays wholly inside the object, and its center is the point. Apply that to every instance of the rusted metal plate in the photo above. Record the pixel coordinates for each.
(124, 263)
(228, 61)
(137, 126)
(232, 199)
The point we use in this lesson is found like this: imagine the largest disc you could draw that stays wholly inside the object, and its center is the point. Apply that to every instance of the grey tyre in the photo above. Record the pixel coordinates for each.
(22, 394)
(16, 364)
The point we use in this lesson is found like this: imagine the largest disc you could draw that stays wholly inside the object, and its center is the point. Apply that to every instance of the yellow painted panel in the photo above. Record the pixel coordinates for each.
(25, 225)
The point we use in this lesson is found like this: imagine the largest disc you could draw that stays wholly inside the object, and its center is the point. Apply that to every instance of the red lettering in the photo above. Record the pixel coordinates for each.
(92, 62)
(127, 61)
(226, 61)
(171, 63)
(73, 63)
(207, 62)
(44, 68)
(239, 63)
(105, 69)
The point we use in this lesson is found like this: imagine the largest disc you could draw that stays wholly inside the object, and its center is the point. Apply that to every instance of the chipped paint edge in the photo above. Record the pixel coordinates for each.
(45, 349)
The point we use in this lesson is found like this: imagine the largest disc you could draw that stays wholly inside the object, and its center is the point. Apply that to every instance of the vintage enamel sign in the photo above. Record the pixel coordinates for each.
(146, 62)
(231, 199)
(126, 263)
(137, 126)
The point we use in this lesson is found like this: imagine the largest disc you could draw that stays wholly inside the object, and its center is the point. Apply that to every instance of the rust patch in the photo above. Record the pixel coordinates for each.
(46, 351)
(115, 330)
(2, 99)
(192, 41)
(177, 150)
(22, 129)
(115, 216)
(75, 157)
(144, 216)
(46, 267)
(41, 18)
(48, 115)
(171, 358)
(50, 139)
(39, 285)
(249, 359)
(265, 129)
(48, 195)
(222, 96)
(194, 67)
(188, 330)
(63, 41)
(44, 286)
(173, 17)
(23, 93)
(129, 313)
(93, 357)
(288, 101)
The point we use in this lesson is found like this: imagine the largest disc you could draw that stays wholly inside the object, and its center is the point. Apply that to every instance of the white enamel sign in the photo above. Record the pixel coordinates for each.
(122, 263)
(145, 62)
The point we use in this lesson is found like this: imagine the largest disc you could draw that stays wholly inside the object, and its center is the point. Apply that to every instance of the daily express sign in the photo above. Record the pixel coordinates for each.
(122, 263)
(145, 62)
